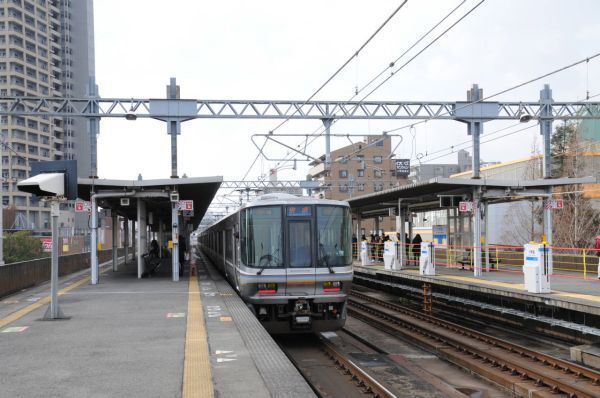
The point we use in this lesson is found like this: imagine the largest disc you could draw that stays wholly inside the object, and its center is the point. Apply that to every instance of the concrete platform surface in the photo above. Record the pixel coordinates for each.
(132, 337)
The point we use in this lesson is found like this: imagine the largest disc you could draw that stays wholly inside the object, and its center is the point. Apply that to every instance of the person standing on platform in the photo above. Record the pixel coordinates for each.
(354, 247)
(597, 247)
(416, 247)
(182, 250)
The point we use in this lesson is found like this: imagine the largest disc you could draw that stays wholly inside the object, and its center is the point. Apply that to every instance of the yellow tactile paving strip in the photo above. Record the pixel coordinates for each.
(197, 379)
(32, 307)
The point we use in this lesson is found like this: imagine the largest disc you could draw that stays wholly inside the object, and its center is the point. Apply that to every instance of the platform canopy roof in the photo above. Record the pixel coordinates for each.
(425, 196)
(201, 190)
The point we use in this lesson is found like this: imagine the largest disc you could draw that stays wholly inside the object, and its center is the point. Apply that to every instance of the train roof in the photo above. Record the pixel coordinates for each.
(288, 199)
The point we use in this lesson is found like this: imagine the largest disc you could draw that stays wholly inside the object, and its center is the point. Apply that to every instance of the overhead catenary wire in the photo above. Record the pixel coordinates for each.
(403, 54)
(465, 105)
(454, 147)
(353, 56)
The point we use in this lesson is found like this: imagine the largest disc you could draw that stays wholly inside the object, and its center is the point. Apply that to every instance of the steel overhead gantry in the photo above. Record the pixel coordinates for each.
(174, 111)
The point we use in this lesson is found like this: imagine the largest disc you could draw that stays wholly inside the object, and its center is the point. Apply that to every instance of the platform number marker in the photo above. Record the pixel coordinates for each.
(15, 329)
(176, 315)
(226, 356)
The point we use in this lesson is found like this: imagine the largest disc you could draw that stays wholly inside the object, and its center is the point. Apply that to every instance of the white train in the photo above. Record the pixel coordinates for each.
(289, 258)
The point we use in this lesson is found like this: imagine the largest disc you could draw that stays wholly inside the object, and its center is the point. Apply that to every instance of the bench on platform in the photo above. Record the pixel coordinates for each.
(465, 259)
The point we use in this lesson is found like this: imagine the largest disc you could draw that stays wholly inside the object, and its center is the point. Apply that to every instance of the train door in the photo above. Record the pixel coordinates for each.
(300, 270)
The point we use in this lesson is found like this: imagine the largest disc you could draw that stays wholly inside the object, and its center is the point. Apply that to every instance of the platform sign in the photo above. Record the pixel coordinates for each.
(402, 167)
(465, 206)
(46, 244)
(554, 204)
(82, 206)
(185, 205)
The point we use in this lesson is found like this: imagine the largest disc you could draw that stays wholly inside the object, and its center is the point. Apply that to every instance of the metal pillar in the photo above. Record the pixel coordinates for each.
(53, 311)
(133, 242)
(94, 127)
(126, 238)
(173, 127)
(161, 237)
(486, 234)
(115, 237)
(327, 123)
(402, 255)
(94, 242)
(175, 239)
(475, 129)
(546, 121)
(476, 253)
(141, 235)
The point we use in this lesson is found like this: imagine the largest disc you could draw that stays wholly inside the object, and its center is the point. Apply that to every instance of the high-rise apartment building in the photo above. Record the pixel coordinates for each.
(46, 50)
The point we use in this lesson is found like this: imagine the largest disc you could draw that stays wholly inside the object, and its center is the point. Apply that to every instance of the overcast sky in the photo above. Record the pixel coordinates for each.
(286, 49)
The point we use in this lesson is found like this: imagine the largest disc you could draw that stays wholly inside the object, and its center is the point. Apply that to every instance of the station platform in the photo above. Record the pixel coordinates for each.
(147, 337)
(569, 293)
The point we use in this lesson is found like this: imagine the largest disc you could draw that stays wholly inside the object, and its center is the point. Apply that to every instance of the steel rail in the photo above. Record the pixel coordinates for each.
(363, 379)
(558, 383)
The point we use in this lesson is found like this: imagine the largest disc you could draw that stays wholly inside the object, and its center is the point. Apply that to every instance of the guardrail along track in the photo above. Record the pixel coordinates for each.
(365, 382)
(517, 368)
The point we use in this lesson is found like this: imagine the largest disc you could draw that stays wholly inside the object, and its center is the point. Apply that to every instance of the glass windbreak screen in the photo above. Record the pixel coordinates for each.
(300, 243)
(261, 238)
(334, 236)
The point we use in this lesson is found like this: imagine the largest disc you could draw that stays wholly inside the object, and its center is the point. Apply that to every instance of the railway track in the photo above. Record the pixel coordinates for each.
(522, 371)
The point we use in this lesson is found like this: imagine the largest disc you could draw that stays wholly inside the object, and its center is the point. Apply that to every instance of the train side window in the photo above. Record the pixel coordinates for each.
(229, 244)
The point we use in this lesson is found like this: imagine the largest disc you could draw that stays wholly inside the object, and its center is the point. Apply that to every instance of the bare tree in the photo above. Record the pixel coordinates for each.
(577, 223)
(524, 217)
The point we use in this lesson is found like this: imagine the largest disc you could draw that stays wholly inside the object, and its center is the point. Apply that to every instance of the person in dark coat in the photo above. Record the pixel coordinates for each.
(416, 247)
(182, 250)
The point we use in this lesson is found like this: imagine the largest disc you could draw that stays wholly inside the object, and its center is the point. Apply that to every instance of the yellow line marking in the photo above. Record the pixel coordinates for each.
(32, 307)
(518, 286)
(579, 296)
(197, 378)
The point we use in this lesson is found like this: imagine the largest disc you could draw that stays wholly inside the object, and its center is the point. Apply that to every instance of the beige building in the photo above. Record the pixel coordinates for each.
(359, 169)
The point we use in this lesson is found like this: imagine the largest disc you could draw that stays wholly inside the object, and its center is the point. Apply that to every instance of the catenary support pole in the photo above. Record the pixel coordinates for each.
(126, 238)
(476, 252)
(141, 235)
(175, 240)
(94, 242)
(173, 126)
(546, 120)
(327, 124)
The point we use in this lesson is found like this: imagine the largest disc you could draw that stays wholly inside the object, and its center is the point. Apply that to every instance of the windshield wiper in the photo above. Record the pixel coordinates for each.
(325, 258)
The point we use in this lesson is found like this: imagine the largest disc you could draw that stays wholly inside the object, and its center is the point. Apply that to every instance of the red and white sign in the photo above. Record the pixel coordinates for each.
(47, 244)
(82, 206)
(554, 204)
(465, 206)
(185, 205)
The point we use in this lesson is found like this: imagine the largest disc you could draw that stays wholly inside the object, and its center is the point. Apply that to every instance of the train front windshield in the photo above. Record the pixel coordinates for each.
(262, 241)
(334, 231)
(318, 235)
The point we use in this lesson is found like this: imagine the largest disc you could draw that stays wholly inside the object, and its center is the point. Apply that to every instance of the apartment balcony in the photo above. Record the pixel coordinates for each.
(317, 171)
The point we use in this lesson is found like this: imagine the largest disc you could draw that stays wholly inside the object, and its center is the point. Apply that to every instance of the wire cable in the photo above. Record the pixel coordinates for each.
(353, 56)
(403, 54)
(561, 69)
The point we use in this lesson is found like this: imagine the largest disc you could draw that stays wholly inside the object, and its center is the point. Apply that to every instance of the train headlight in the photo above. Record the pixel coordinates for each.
(267, 288)
(330, 287)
